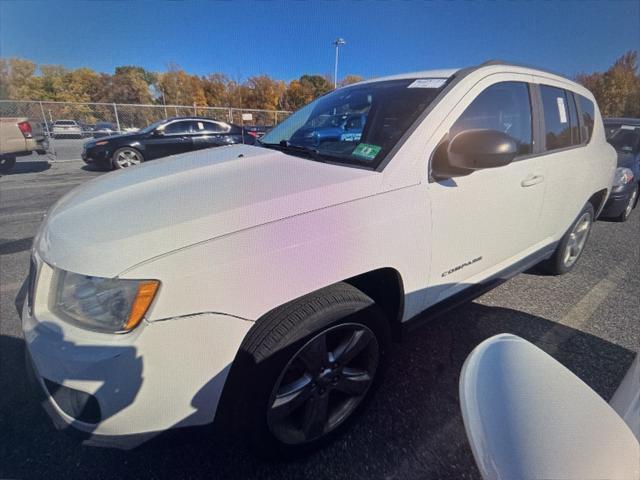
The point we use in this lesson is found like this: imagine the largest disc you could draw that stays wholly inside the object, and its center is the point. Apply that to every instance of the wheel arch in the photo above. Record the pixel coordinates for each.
(598, 200)
(386, 289)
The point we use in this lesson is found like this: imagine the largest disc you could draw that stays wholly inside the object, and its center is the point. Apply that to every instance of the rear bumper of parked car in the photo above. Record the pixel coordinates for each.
(617, 202)
(121, 390)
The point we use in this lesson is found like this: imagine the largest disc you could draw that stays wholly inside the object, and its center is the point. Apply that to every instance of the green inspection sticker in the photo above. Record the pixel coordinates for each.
(366, 151)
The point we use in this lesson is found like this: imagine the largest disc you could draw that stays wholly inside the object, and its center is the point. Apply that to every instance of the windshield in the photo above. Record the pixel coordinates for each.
(626, 139)
(151, 127)
(360, 124)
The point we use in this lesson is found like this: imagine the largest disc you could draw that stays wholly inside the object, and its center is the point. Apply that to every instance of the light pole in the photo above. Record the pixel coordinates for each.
(337, 43)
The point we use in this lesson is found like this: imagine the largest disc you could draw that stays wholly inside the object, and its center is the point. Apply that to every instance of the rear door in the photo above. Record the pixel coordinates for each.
(207, 134)
(565, 157)
(486, 221)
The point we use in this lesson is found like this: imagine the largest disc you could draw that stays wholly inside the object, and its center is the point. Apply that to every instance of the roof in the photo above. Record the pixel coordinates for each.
(496, 65)
(195, 118)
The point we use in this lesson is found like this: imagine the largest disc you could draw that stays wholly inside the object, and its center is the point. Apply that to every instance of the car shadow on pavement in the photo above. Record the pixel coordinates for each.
(412, 429)
(29, 166)
(8, 247)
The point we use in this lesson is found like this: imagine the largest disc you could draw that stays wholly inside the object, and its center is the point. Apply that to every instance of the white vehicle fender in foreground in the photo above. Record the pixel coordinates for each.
(527, 416)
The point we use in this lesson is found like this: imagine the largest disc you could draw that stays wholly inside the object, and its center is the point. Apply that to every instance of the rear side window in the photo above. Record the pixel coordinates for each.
(557, 118)
(210, 127)
(505, 107)
(588, 117)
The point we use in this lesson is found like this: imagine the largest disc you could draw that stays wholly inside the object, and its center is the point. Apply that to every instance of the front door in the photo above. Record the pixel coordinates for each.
(485, 221)
(175, 138)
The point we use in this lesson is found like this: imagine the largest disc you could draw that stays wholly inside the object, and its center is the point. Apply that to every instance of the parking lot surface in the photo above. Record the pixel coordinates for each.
(588, 320)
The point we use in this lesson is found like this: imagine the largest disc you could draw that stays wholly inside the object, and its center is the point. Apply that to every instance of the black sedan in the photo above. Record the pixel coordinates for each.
(161, 139)
(624, 194)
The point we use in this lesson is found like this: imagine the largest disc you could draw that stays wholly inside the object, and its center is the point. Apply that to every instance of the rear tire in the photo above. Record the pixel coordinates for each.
(315, 363)
(7, 164)
(572, 244)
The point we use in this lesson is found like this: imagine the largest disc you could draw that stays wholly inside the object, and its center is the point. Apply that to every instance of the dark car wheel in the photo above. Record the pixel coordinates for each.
(126, 157)
(7, 164)
(572, 244)
(315, 363)
(630, 205)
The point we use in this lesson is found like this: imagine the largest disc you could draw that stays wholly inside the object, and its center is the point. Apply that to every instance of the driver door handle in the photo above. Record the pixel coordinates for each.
(532, 180)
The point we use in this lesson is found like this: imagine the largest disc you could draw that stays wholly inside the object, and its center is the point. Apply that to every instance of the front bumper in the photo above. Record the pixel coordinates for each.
(98, 158)
(617, 202)
(121, 390)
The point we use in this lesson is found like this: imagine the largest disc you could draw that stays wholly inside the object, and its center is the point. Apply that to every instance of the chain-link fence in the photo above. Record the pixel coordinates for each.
(121, 118)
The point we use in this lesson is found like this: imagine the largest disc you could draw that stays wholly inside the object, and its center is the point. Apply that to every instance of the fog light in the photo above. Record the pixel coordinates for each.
(80, 405)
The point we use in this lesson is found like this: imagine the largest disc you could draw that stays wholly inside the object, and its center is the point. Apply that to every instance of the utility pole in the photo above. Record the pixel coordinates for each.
(338, 42)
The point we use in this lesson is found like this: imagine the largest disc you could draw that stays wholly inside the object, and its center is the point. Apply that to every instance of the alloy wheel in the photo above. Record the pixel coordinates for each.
(127, 158)
(323, 383)
(577, 239)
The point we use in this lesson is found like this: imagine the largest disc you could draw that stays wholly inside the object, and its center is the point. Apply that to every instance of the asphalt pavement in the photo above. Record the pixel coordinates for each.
(588, 320)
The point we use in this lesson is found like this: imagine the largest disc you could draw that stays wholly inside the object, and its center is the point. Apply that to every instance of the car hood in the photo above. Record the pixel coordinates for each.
(127, 136)
(126, 217)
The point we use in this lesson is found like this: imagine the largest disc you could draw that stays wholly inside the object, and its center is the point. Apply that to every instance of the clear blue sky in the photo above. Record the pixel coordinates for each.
(287, 39)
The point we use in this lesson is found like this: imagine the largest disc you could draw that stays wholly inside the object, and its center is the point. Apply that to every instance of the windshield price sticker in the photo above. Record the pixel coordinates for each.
(428, 83)
(561, 110)
(366, 151)
(350, 137)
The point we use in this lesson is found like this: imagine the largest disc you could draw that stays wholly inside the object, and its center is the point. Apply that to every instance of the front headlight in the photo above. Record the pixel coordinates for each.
(109, 305)
(621, 178)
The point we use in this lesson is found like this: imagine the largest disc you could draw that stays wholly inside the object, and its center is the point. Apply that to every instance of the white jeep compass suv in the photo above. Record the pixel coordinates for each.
(260, 285)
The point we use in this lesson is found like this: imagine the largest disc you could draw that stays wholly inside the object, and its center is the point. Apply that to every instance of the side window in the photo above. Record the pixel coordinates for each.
(505, 107)
(588, 117)
(573, 119)
(557, 122)
(210, 127)
(177, 128)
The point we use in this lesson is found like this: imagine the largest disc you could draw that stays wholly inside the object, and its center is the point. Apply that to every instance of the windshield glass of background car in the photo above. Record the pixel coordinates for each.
(153, 126)
(626, 139)
(360, 124)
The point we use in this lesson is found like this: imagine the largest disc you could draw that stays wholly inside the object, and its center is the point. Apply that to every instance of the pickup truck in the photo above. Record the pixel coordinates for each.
(19, 136)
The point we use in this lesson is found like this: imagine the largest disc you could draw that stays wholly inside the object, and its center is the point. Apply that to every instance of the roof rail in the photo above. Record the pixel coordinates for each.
(488, 63)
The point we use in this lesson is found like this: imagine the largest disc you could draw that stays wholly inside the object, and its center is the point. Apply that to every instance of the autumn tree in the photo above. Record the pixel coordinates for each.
(264, 93)
(349, 79)
(180, 88)
(617, 90)
(307, 88)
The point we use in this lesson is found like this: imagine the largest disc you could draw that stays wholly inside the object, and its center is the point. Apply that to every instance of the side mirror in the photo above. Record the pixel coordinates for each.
(478, 149)
(158, 133)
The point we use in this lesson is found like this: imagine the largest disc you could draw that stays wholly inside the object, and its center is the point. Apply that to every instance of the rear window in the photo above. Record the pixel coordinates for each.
(588, 117)
(65, 122)
(557, 117)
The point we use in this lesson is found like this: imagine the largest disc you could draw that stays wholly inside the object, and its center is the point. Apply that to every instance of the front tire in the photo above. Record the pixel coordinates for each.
(126, 157)
(572, 244)
(315, 363)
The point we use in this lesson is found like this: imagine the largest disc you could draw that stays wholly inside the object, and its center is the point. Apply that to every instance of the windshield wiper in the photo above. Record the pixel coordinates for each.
(285, 146)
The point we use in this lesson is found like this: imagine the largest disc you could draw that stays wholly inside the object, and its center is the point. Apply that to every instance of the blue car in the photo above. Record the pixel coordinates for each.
(331, 128)
(624, 194)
